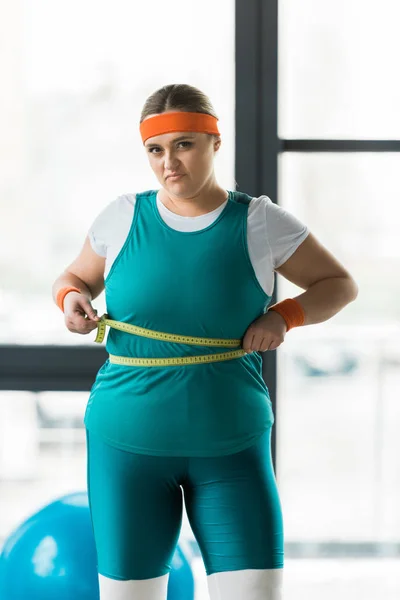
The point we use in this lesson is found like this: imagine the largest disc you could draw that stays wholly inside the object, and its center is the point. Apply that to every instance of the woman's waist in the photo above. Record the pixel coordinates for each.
(200, 335)
(206, 383)
(245, 370)
(135, 345)
(156, 349)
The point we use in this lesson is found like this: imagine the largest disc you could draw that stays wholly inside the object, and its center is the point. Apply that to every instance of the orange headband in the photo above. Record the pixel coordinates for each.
(178, 121)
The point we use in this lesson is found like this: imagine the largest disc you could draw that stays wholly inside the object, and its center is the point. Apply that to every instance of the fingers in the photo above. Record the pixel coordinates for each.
(80, 325)
(274, 345)
(91, 312)
(82, 319)
(87, 311)
(248, 341)
(264, 345)
(256, 343)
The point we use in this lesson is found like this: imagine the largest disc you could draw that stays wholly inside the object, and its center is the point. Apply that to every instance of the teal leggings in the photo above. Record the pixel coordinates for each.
(136, 504)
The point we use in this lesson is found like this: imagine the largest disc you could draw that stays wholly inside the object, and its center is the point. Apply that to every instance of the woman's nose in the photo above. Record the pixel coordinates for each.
(170, 162)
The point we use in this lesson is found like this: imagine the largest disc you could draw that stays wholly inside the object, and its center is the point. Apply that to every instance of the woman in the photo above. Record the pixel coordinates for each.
(193, 414)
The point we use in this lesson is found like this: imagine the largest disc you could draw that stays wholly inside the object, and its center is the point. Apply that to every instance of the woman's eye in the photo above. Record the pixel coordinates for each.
(188, 145)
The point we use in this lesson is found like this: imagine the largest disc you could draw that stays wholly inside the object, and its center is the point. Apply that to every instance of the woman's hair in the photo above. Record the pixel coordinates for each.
(178, 96)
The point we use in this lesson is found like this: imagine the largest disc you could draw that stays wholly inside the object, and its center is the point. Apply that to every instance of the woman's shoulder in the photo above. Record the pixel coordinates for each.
(260, 202)
(116, 211)
(254, 203)
(125, 201)
(272, 211)
(112, 223)
(277, 221)
(258, 206)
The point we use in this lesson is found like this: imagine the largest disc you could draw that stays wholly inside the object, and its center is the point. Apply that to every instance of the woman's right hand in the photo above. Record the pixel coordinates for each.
(80, 316)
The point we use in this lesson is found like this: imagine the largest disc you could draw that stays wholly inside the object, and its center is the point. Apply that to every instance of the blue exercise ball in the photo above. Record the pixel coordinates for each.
(52, 555)
(181, 581)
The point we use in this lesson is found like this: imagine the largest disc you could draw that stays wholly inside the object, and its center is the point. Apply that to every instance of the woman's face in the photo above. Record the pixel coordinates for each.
(189, 154)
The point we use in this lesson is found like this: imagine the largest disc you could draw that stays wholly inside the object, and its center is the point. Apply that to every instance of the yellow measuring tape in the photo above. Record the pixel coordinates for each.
(167, 337)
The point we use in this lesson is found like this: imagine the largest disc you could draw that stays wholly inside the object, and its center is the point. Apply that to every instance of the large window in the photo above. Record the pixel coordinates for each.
(337, 69)
(70, 133)
(338, 381)
(74, 81)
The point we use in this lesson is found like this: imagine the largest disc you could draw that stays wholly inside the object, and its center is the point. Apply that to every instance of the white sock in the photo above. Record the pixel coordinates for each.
(248, 584)
(138, 589)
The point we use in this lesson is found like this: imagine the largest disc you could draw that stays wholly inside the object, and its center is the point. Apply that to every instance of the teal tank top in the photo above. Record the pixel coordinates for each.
(201, 284)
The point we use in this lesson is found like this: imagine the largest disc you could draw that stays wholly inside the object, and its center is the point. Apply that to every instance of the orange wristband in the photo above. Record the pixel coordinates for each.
(62, 293)
(291, 311)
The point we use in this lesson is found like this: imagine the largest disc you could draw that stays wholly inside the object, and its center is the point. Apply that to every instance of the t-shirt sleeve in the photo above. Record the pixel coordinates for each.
(99, 230)
(285, 233)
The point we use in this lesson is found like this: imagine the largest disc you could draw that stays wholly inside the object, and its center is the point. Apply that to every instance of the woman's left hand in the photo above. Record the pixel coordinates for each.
(265, 333)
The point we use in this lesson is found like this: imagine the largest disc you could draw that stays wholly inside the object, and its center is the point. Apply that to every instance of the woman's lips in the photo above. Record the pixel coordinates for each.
(174, 177)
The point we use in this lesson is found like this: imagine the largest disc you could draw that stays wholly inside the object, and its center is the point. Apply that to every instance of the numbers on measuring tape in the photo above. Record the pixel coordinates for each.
(168, 362)
(159, 335)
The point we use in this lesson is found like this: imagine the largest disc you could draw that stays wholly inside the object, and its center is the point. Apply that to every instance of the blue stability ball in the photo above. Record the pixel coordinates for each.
(52, 556)
(181, 580)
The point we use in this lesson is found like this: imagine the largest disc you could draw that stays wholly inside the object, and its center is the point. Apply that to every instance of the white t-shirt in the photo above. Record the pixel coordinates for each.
(273, 234)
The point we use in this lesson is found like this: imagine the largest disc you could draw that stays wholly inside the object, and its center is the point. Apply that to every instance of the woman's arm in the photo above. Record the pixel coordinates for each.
(329, 286)
(86, 273)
